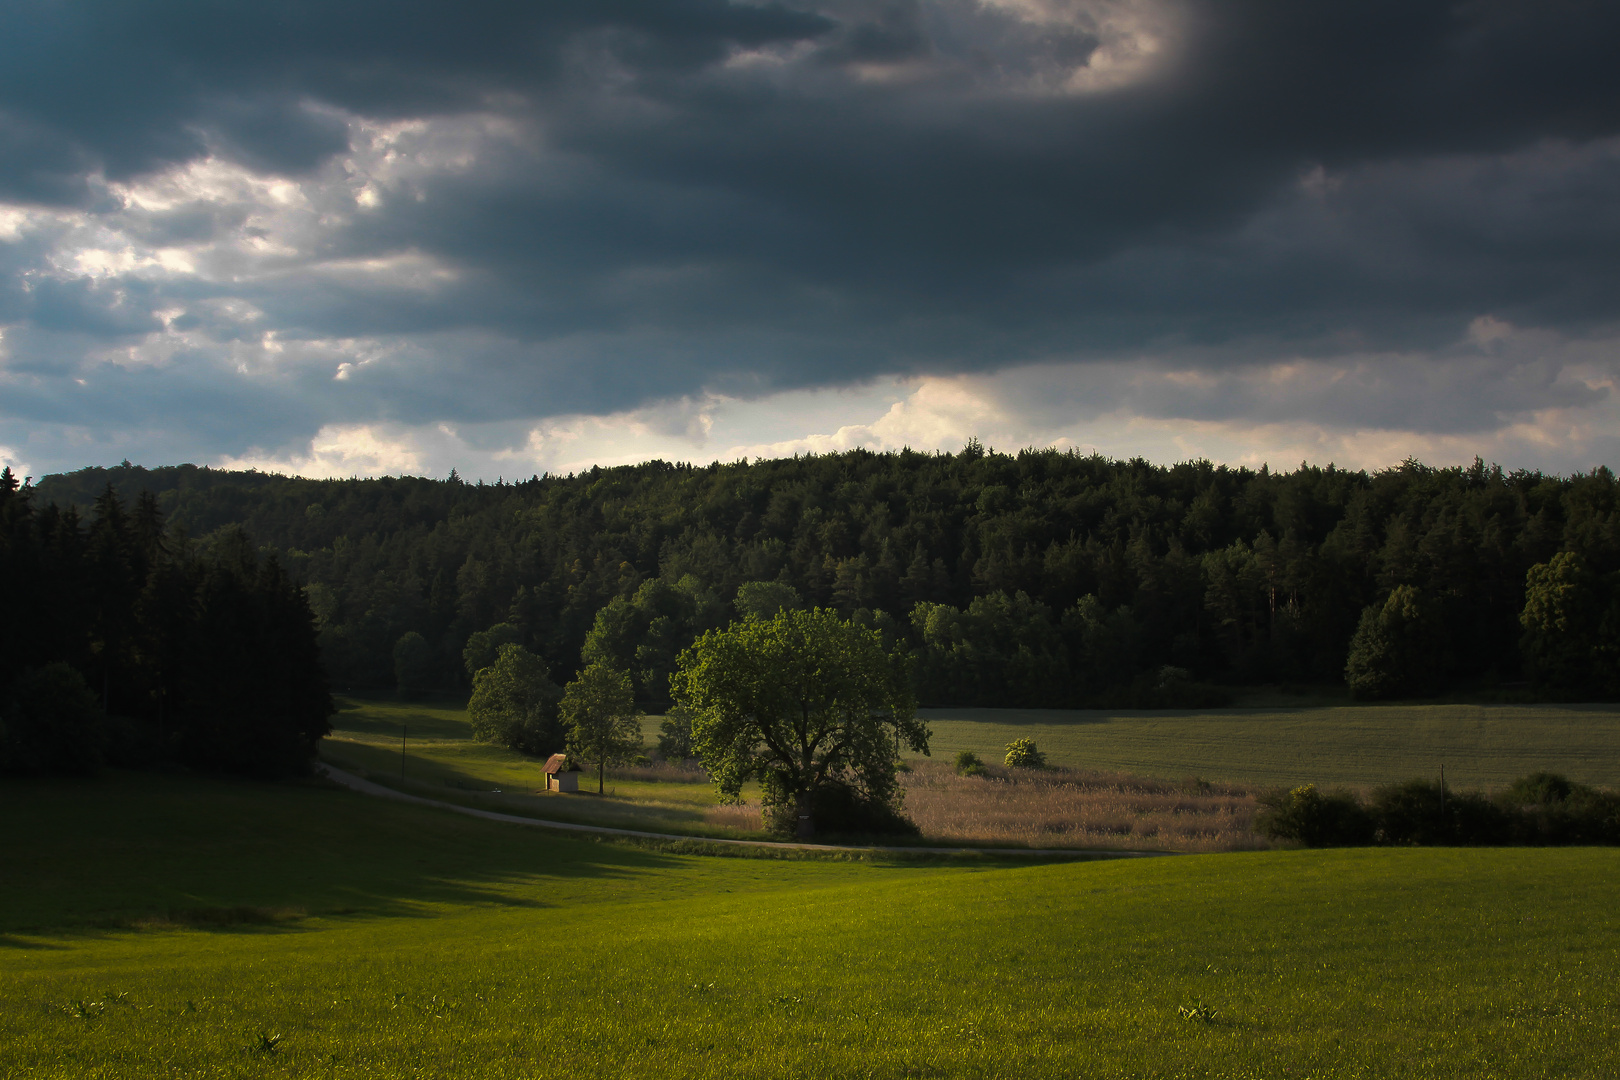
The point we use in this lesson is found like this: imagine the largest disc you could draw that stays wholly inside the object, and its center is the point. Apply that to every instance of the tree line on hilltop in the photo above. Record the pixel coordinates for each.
(1041, 578)
(122, 641)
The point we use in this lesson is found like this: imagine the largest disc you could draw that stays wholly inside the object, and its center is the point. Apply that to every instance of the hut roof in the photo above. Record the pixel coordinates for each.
(557, 763)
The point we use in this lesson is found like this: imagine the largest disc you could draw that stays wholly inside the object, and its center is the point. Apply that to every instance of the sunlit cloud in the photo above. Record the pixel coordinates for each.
(1160, 227)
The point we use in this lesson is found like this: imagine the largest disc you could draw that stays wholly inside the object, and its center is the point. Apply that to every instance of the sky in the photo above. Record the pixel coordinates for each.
(349, 237)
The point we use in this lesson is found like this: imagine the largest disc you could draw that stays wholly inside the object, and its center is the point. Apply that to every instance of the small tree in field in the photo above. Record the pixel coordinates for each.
(968, 764)
(514, 703)
(1024, 754)
(603, 722)
(811, 706)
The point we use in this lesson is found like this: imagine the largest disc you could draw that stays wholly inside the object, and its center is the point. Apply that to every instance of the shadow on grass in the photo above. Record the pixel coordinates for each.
(148, 852)
(241, 919)
(387, 718)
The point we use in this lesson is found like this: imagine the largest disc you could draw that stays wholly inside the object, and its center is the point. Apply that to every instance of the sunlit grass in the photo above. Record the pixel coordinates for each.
(441, 946)
(1485, 746)
(444, 762)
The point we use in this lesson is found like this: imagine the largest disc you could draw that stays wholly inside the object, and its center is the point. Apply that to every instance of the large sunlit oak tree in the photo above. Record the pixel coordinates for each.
(799, 701)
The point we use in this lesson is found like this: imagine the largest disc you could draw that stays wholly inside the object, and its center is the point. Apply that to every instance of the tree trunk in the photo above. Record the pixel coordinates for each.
(807, 827)
(601, 764)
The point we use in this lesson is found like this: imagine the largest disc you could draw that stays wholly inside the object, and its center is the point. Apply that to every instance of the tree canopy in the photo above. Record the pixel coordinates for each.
(603, 722)
(1041, 577)
(805, 702)
(1571, 625)
(515, 703)
(123, 639)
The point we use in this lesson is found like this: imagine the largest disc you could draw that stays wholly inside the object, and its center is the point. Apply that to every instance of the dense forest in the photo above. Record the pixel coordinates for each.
(1037, 578)
(123, 642)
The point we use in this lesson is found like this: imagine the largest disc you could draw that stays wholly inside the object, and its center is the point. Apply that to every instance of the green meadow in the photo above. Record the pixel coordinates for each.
(442, 761)
(1485, 746)
(181, 926)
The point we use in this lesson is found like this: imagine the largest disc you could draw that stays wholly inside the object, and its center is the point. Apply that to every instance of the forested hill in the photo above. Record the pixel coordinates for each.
(1036, 578)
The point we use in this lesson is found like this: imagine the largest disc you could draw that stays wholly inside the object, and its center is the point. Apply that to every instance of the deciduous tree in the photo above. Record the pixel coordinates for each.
(1571, 623)
(514, 703)
(806, 703)
(1398, 647)
(603, 722)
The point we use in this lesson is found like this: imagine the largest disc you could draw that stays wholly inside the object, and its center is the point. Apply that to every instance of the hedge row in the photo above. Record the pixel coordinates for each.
(1540, 809)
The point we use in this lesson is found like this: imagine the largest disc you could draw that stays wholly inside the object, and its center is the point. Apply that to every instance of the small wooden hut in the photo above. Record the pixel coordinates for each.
(558, 778)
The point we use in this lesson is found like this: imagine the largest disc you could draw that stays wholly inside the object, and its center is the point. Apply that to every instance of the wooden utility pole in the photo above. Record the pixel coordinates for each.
(403, 728)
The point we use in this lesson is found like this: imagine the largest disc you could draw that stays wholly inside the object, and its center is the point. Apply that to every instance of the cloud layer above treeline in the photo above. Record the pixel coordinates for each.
(379, 237)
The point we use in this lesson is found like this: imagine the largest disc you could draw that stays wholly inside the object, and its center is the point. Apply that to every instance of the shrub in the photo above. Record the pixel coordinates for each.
(1472, 818)
(968, 764)
(1415, 812)
(1547, 808)
(1541, 808)
(838, 807)
(1023, 754)
(1540, 789)
(1315, 819)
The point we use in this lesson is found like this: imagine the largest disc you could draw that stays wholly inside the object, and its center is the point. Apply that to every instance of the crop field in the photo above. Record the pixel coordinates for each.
(1485, 746)
(176, 926)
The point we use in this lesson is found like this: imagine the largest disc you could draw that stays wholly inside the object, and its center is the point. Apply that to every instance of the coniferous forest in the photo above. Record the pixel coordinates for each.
(121, 641)
(1041, 578)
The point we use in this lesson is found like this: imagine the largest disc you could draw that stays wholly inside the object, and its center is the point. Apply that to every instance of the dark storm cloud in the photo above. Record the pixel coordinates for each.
(655, 198)
(142, 86)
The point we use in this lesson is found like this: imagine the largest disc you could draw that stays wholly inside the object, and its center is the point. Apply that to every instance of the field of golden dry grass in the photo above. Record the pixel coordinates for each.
(1078, 808)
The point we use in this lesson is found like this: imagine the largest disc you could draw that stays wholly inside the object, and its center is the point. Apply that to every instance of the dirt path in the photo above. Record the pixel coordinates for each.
(349, 780)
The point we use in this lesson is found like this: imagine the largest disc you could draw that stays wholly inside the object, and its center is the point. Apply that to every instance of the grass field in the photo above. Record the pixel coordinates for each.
(442, 761)
(174, 926)
(1106, 803)
(1484, 746)
(1056, 808)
